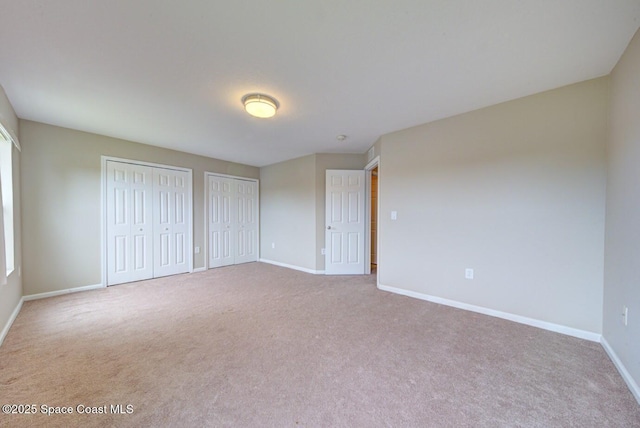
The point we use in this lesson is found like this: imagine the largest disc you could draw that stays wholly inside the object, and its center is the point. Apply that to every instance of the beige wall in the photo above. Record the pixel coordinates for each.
(292, 208)
(515, 191)
(377, 149)
(11, 293)
(325, 161)
(622, 249)
(61, 201)
(288, 212)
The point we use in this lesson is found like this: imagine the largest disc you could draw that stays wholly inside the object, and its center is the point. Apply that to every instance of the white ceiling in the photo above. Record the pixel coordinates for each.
(171, 73)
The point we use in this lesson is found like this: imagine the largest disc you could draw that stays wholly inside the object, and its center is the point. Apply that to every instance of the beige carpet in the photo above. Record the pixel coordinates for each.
(258, 345)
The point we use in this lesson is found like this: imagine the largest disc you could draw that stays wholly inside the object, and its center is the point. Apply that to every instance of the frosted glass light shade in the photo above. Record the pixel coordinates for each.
(260, 105)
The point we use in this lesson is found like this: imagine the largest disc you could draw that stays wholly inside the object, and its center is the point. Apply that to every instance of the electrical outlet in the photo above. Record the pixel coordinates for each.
(323, 251)
(273, 245)
(468, 273)
(625, 315)
(197, 250)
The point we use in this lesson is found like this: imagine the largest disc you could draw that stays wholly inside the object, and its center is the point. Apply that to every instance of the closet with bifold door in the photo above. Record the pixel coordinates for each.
(232, 211)
(149, 217)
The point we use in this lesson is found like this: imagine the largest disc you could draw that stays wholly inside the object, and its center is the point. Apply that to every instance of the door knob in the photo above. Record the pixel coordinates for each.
(328, 227)
(166, 228)
(140, 229)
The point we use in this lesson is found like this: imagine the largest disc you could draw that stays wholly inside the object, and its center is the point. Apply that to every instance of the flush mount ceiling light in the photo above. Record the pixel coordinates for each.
(260, 105)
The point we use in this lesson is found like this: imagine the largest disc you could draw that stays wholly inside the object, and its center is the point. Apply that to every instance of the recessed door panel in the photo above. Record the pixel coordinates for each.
(353, 248)
(165, 250)
(336, 248)
(353, 207)
(180, 208)
(139, 252)
(181, 250)
(121, 254)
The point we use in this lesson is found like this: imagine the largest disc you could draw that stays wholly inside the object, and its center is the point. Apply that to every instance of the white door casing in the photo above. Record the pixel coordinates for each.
(345, 222)
(171, 202)
(129, 223)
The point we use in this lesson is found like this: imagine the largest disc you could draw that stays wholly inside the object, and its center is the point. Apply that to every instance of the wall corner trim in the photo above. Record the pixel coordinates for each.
(286, 265)
(10, 321)
(61, 292)
(631, 383)
(557, 328)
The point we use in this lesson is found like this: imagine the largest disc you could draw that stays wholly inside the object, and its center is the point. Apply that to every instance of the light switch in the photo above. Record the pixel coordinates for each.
(394, 215)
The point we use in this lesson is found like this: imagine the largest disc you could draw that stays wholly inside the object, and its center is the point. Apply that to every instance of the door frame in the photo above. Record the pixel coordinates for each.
(103, 206)
(207, 174)
(370, 166)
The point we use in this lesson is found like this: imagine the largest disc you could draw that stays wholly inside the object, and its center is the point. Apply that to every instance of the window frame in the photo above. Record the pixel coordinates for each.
(7, 142)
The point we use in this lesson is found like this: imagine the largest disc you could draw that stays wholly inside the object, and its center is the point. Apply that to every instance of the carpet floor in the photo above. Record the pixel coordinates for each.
(258, 345)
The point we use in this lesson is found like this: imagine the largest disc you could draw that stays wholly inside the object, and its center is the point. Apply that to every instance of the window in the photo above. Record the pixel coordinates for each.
(6, 189)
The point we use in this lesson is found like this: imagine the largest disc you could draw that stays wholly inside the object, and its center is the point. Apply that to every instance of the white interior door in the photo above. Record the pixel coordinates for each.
(345, 222)
(129, 223)
(246, 225)
(171, 235)
(221, 196)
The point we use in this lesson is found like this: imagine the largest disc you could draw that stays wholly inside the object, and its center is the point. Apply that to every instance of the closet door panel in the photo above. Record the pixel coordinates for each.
(129, 223)
(171, 212)
(247, 222)
(221, 238)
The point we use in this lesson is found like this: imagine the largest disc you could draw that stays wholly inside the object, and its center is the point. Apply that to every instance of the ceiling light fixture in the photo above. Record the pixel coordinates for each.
(341, 137)
(260, 105)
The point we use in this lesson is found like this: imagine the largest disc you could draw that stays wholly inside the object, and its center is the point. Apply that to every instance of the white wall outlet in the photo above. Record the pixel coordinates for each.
(468, 273)
(625, 315)
(323, 251)
(394, 215)
(273, 245)
(197, 250)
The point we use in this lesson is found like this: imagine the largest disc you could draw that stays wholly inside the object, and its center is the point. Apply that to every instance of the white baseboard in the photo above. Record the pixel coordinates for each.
(200, 269)
(61, 292)
(10, 321)
(631, 383)
(569, 331)
(271, 262)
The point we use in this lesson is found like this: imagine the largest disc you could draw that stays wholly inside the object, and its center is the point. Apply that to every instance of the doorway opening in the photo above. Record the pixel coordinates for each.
(373, 224)
(372, 171)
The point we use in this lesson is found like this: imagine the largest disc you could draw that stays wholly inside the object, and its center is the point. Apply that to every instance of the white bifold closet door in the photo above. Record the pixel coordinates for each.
(129, 223)
(148, 218)
(233, 222)
(170, 220)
